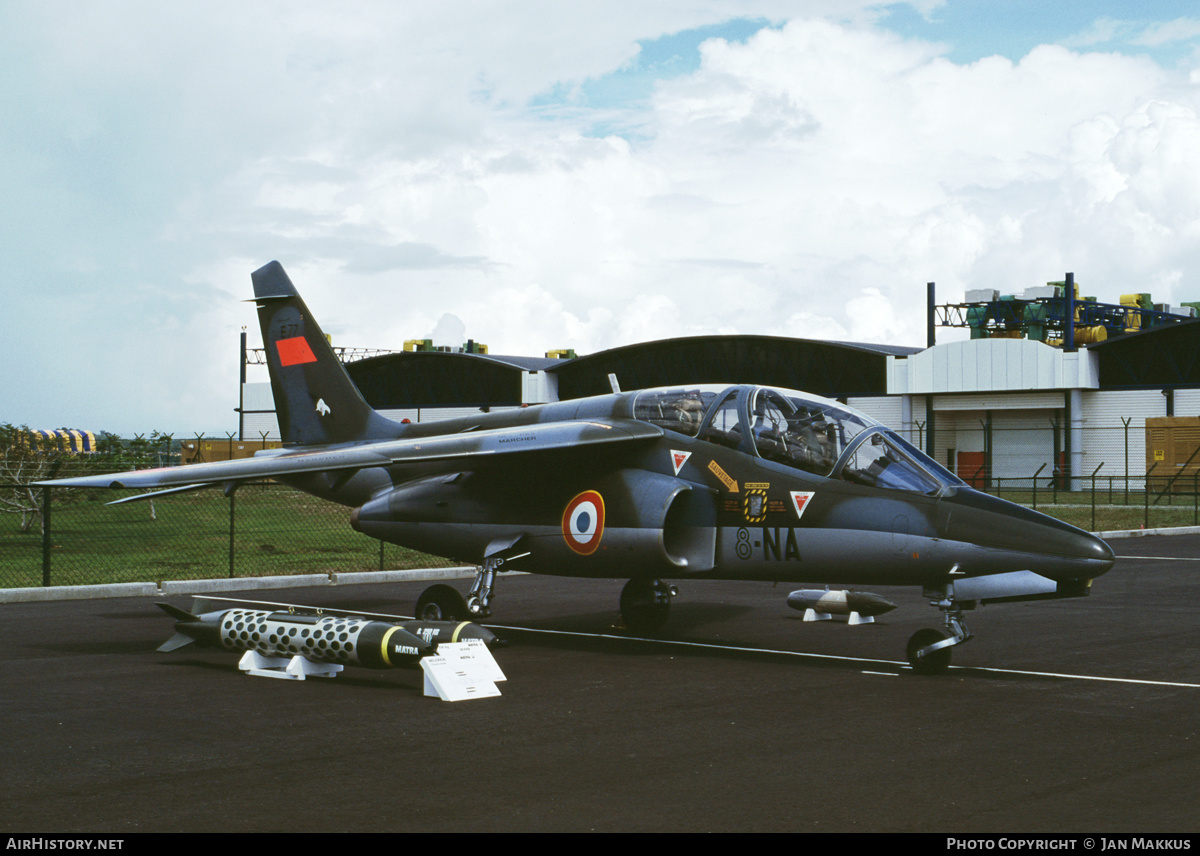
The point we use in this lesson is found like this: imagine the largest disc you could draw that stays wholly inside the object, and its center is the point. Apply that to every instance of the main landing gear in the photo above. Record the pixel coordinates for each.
(929, 649)
(646, 604)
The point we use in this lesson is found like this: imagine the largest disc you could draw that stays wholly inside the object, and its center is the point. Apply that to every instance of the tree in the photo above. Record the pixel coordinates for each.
(25, 458)
(28, 456)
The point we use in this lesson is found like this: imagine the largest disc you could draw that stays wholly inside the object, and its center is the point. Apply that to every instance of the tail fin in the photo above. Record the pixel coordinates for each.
(179, 639)
(177, 613)
(315, 400)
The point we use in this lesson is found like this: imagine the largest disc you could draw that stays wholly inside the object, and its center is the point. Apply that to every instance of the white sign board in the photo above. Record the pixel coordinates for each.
(461, 670)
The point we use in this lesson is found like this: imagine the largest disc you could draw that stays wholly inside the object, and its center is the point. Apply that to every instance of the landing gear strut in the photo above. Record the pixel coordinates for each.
(929, 649)
(645, 604)
(480, 596)
(443, 603)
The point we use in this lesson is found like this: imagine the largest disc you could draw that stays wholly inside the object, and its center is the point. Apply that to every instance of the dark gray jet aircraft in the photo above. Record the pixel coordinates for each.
(693, 482)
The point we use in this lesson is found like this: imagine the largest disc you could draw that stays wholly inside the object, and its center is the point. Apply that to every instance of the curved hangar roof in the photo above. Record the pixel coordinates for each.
(442, 379)
(830, 369)
(438, 378)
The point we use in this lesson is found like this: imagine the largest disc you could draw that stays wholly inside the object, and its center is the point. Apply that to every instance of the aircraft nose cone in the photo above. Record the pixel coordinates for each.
(1085, 554)
(1100, 554)
(1053, 548)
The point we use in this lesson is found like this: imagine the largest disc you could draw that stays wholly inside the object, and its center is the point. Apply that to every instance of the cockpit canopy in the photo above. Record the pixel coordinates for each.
(806, 432)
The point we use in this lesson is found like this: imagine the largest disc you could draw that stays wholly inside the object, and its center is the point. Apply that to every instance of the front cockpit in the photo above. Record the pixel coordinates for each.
(802, 431)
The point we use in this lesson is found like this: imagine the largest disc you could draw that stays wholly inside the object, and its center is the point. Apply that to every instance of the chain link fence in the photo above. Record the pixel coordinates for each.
(1116, 479)
(262, 529)
(1108, 479)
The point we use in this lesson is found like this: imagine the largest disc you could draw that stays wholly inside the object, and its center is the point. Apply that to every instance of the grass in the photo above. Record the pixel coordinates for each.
(1111, 511)
(277, 531)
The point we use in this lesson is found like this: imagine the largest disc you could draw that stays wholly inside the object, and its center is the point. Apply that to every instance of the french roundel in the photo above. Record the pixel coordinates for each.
(583, 522)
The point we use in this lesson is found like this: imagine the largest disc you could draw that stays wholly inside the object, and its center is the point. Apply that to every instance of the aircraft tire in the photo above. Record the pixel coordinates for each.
(645, 606)
(441, 603)
(936, 663)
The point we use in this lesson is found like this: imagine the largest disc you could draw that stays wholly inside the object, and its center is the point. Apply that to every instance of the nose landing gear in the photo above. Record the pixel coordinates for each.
(929, 649)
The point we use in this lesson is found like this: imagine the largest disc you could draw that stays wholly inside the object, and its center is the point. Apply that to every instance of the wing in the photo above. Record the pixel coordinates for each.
(477, 445)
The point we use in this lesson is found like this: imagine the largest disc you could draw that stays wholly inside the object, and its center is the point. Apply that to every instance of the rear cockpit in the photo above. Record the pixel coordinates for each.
(806, 432)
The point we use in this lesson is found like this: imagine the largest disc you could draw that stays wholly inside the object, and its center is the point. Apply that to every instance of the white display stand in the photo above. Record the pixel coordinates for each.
(459, 670)
(292, 669)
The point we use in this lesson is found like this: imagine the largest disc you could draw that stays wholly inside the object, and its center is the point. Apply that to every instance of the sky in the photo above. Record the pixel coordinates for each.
(558, 174)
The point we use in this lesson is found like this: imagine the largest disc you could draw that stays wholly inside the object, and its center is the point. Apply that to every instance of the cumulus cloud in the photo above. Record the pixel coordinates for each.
(406, 162)
(449, 332)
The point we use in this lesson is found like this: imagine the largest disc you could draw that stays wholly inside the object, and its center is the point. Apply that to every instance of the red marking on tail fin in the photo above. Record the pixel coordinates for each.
(294, 351)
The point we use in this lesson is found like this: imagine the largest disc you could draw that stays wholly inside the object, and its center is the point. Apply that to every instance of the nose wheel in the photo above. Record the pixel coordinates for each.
(924, 655)
(929, 649)
(442, 603)
(445, 603)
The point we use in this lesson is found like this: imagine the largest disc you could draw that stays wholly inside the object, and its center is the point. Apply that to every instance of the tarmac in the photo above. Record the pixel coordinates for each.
(1077, 715)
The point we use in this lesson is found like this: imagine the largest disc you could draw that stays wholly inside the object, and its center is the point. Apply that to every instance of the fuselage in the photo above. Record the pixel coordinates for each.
(741, 482)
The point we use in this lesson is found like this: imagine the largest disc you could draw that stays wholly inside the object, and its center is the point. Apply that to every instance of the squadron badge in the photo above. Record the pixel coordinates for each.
(754, 502)
(800, 500)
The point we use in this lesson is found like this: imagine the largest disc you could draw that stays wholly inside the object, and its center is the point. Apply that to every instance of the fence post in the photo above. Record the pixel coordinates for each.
(1126, 422)
(46, 535)
(232, 517)
(1094, 495)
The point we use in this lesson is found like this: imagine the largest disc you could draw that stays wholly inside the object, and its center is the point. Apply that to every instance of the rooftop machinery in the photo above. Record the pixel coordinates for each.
(1057, 315)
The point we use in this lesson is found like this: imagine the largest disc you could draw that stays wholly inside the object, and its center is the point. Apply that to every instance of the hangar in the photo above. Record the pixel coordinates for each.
(438, 384)
(1017, 401)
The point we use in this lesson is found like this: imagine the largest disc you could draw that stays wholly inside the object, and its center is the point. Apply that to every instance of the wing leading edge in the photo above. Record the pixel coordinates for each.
(476, 446)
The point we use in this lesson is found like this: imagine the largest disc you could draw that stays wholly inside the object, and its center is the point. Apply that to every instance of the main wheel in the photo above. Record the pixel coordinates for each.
(441, 603)
(645, 605)
(932, 664)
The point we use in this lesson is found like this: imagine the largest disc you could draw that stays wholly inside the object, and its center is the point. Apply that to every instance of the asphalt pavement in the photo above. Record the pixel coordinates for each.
(1063, 716)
